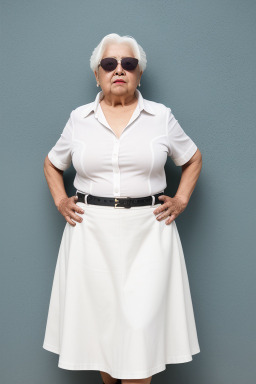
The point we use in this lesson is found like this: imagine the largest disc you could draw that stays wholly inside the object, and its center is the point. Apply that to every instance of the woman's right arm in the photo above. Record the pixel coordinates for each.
(65, 205)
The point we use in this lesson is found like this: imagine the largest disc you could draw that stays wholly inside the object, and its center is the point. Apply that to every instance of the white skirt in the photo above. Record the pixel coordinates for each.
(120, 300)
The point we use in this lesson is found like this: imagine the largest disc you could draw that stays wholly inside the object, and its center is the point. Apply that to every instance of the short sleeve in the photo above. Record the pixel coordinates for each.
(60, 154)
(181, 146)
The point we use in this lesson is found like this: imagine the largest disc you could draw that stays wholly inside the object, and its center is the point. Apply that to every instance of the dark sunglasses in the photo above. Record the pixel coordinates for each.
(110, 63)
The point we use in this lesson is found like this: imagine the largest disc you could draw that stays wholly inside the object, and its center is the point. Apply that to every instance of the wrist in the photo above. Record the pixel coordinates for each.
(183, 198)
(59, 199)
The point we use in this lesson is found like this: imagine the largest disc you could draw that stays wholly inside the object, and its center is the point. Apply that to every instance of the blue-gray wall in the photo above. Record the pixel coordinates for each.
(201, 63)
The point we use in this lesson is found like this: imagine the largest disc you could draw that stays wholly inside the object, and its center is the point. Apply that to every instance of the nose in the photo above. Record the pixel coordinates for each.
(119, 68)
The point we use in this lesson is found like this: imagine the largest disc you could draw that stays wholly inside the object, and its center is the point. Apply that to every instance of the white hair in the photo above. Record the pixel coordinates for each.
(115, 38)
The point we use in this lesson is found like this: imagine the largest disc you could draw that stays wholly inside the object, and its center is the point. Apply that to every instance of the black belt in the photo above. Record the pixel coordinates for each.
(120, 202)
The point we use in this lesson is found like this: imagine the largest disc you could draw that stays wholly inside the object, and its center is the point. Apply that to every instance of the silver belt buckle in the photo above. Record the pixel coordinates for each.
(117, 201)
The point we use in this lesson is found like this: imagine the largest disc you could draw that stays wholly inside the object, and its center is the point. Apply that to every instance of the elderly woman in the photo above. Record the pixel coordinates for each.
(120, 300)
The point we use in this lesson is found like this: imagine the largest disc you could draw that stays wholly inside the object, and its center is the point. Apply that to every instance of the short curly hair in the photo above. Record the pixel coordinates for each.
(115, 38)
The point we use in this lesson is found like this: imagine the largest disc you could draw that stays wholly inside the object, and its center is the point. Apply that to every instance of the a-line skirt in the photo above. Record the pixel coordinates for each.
(120, 300)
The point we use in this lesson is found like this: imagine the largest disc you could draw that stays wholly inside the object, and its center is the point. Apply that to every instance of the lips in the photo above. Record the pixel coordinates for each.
(119, 81)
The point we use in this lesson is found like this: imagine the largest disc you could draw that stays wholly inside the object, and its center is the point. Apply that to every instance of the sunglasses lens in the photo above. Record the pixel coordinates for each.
(129, 63)
(109, 64)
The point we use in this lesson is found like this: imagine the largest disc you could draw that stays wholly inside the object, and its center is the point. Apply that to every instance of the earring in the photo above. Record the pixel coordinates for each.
(139, 84)
(97, 84)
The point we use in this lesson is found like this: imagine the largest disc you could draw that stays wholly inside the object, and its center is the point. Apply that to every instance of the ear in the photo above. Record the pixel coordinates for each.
(96, 75)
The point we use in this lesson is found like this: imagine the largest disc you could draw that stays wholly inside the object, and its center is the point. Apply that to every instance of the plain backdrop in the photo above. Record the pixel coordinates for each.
(201, 64)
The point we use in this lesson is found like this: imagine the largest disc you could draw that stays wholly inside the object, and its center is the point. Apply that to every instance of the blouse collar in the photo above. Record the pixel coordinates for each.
(142, 104)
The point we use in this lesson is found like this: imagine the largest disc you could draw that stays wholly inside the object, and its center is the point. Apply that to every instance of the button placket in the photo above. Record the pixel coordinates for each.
(116, 170)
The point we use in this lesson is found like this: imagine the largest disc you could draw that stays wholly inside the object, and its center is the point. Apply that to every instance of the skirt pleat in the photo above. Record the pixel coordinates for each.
(120, 300)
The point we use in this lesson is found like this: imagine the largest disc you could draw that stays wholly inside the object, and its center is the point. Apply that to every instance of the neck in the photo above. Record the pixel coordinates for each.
(111, 100)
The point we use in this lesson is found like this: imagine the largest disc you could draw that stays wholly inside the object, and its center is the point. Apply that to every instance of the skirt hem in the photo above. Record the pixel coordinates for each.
(117, 374)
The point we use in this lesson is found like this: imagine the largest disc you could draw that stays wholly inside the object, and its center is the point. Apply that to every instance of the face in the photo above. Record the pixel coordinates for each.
(106, 79)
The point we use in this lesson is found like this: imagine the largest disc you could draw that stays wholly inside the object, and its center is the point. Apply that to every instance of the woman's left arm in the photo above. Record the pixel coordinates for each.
(190, 174)
(173, 206)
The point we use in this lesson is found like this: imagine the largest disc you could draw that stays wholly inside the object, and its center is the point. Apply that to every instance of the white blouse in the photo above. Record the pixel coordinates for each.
(132, 165)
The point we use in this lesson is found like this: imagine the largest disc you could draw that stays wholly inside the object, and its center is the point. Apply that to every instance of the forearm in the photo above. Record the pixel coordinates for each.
(54, 178)
(189, 177)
